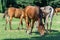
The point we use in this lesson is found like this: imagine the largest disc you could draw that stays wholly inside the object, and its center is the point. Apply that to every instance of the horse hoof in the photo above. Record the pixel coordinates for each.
(22, 28)
(50, 31)
(10, 29)
(18, 28)
(42, 34)
(27, 32)
(5, 28)
(30, 33)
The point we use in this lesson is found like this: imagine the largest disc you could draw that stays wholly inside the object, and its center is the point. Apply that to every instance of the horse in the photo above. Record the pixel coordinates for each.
(32, 14)
(13, 12)
(48, 12)
(57, 10)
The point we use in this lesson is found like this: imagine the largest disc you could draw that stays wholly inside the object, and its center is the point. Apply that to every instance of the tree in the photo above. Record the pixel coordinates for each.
(3, 2)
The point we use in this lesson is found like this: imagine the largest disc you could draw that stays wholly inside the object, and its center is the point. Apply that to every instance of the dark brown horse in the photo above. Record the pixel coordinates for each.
(33, 13)
(13, 12)
(57, 10)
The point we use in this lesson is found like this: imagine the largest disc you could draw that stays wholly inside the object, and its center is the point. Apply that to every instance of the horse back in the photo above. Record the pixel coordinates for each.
(57, 9)
(11, 11)
(19, 12)
(32, 11)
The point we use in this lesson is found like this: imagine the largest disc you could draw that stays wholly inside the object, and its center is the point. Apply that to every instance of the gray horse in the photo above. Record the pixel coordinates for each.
(48, 12)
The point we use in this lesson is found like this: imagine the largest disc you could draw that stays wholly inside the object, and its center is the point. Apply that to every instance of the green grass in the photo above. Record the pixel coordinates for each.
(21, 34)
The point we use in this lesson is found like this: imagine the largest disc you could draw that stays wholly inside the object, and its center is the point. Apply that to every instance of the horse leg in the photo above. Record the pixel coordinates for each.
(10, 22)
(20, 22)
(28, 25)
(28, 28)
(32, 25)
(56, 12)
(19, 25)
(50, 25)
(6, 22)
(51, 17)
(46, 22)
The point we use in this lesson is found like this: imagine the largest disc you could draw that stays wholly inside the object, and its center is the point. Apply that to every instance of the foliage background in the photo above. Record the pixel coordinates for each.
(23, 3)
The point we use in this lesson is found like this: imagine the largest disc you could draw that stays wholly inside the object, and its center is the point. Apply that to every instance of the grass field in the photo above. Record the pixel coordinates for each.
(21, 34)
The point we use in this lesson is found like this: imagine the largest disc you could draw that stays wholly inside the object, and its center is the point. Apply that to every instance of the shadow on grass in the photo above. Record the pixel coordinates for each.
(46, 38)
(54, 35)
(18, 39)
(54, 31)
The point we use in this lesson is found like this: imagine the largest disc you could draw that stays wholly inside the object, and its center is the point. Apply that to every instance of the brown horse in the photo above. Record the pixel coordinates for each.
(57, 10)
(33, 13)
(13, 12)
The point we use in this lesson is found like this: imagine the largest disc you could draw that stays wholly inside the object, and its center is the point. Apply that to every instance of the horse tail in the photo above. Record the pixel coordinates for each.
(52, 11)
(51, 17)
(6, 12)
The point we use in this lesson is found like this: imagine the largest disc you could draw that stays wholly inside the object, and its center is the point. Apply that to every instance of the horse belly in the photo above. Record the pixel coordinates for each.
(17, 16)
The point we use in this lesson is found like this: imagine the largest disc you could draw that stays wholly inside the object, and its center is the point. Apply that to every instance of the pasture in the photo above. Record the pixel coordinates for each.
(21, 34)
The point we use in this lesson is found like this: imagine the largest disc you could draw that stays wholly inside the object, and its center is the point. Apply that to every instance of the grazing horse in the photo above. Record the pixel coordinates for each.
(48, 11)
(57, 10)
(13, 12)
(32, 14)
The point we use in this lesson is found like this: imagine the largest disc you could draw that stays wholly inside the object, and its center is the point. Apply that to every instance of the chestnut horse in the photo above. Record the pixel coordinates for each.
(48, 12)
(57, 10)
(33, 13)
(13, 12)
